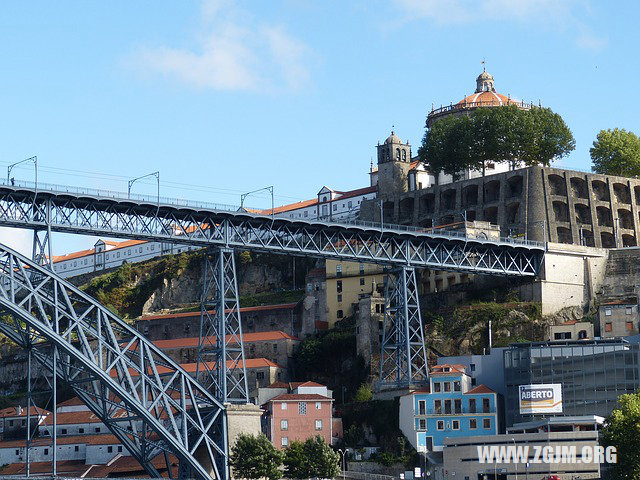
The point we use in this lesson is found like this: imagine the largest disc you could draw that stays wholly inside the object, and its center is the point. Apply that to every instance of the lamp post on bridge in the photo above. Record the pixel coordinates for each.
(33, 159)
(269, 189)
(131, 182)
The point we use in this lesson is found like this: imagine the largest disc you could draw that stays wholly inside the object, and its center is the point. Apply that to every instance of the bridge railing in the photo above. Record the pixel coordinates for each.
(178, 202)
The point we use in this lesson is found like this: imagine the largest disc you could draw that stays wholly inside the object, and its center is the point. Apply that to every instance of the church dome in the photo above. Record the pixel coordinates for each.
(393, 138)
(486, 99)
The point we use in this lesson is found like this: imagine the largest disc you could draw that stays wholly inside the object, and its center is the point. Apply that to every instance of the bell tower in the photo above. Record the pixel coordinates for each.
(394, 159)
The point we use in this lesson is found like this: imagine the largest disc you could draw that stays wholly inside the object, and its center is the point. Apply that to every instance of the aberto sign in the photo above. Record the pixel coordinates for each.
(541, 398)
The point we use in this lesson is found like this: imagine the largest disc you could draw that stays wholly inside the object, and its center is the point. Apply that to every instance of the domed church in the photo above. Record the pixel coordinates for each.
(484, 96)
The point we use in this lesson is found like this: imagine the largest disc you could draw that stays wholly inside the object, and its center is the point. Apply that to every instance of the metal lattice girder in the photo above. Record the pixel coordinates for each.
(403, 357)
(220, 346)
(151, 404)
(120, 217)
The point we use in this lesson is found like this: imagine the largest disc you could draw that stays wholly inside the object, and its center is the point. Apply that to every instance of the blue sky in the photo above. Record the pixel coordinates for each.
(224, 96)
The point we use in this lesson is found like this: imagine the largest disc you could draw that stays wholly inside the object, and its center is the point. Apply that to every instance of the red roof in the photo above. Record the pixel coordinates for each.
(259, 308)
(71, 418)
(191, 367)
(305, 384)
(67, 468)
(11, 412)
(301, 397)
(479, 389)
(487, 99)
(84, 253)
(439, 369)
(278, 385)
(126, 466)
(619, 302)
(314, 201)
(247, 338)
(73, 401)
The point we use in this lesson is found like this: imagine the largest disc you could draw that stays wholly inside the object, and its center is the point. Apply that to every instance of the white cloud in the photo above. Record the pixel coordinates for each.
(18, 239)
(558, 14)
(235, 52)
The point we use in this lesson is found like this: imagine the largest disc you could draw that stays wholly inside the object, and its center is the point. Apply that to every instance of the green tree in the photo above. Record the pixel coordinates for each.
(296, 462)
(616, 152)
(324, 461)
(499, 134)
(363, 394)
(622, 430)
(313, 458)
(256, 457)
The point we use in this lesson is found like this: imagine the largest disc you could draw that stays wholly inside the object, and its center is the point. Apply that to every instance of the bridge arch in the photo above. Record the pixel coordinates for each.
(113, 369)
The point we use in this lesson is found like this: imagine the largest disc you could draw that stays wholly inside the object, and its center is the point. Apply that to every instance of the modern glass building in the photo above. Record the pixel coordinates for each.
(593, 374)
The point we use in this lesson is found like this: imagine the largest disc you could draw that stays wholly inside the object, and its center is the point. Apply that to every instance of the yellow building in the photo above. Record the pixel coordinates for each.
(346, 281)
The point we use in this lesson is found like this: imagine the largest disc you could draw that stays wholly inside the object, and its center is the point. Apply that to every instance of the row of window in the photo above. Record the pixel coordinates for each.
(627, 311)
(454, 424)
(305, 213)
(456, 404)
(302, 407)
(446, 386)
(76, 448)
(284, 424)
(608, 327)
(63, 265)
(63, 431)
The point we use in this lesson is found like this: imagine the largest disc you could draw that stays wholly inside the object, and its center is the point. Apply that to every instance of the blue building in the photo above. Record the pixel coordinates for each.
(449, 407)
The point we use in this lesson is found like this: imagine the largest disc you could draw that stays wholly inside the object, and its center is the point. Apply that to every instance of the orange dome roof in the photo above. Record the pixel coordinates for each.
(487, 99)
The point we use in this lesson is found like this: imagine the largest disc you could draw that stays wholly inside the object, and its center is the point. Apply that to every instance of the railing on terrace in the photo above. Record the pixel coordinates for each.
(444, 231)
(467, 105)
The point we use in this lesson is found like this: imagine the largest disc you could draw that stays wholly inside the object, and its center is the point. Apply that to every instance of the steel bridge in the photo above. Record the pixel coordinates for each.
(173, 413)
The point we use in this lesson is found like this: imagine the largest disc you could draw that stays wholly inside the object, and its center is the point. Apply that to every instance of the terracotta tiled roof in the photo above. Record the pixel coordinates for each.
(487, 99)
(620, 302)
(439, 369)
(84, 253)
(570, 322)
(71, 418)
(74, 401)
(314, 201)
(301, 397)
(305, 384)
(191, 367)
(479, 389)
(278, 385)
(126, 466)
(191, 342)
(67, 468)
(10, 412)
(259, 308)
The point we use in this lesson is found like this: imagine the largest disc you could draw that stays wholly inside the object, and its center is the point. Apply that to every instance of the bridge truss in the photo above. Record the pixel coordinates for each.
(147, 401)
(390, 246)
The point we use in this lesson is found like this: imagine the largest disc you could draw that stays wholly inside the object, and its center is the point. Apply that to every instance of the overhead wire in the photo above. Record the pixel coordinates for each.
(168, 184)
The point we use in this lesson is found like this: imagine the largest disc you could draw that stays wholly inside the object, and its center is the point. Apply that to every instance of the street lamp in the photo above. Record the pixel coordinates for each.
(33, 159)
(344, 455)
(269, 189)
(131, 182)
